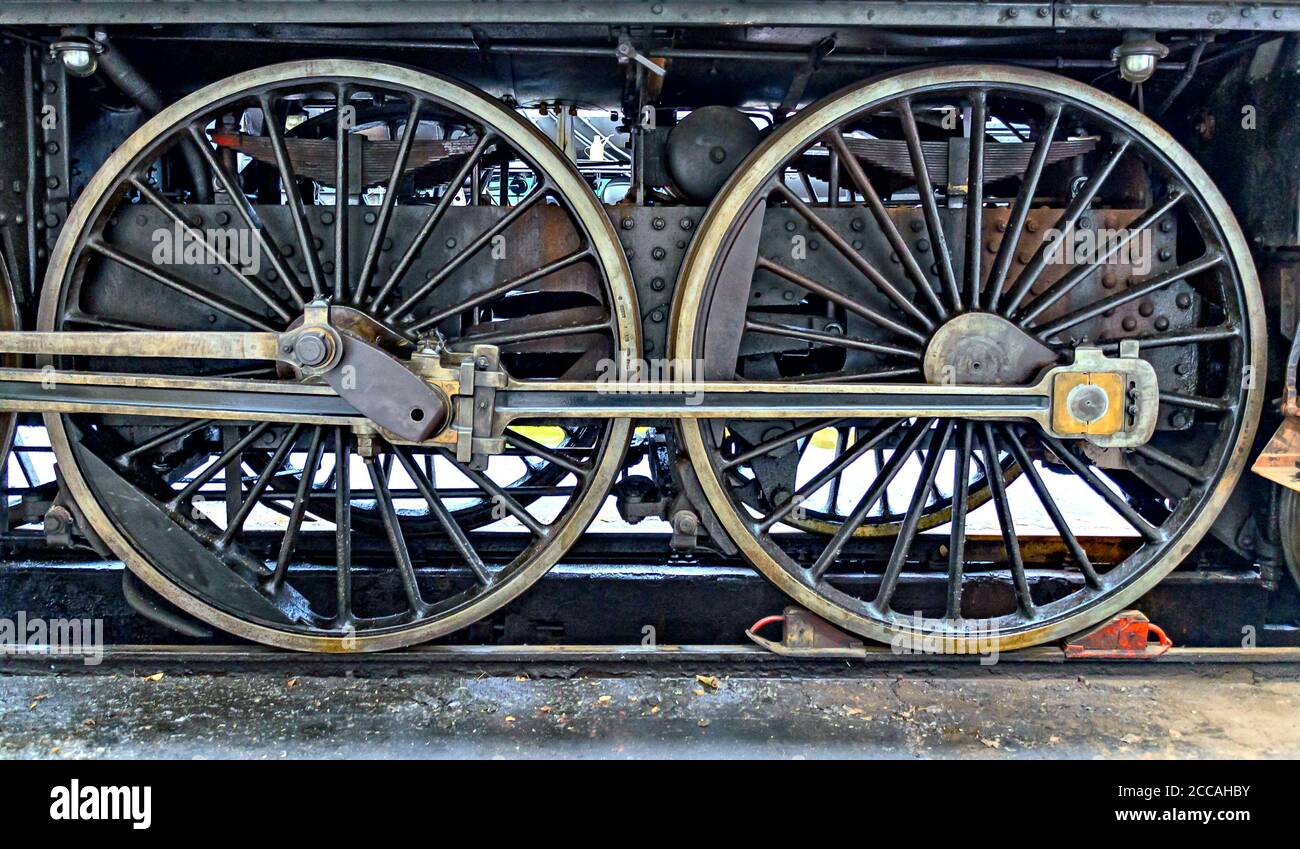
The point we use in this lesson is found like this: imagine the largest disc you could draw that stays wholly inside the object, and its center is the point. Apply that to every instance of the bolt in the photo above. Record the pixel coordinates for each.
(310, 349)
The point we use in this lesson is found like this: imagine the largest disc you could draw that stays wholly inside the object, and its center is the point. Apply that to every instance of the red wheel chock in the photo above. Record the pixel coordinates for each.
(1126, 636)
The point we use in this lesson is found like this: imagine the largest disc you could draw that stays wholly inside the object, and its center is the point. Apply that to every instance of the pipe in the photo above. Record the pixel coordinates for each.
(133, 84)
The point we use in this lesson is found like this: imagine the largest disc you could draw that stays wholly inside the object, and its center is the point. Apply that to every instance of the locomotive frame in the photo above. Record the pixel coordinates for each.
(146, 428)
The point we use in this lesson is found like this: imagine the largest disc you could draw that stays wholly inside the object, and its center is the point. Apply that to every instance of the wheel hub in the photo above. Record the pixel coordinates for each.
(984, 349)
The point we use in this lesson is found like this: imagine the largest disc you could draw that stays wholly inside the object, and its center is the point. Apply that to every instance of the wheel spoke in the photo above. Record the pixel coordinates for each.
(293, 198)
(855, 259)
(244, 207)
(282, 448)
(957, 533)
(457, 536)
(906, 448)
(1141, 290)
(502, 288)
(301, 499)
(1020, 210)
(1197, 402)
(343, 616)
(229, 456)
(1050, 506)
(176, 284)
(1196, 476)
(1165, 340)
(430, 224)
(554, 456)
(250, 283)
(907, 533)
(975, 196)
(1010, 540)
(865, 376)
(896, 241)
(830, 339)
(371, 261)
(1095, 483)
(471, 250)
(1064, 225)
(766, 447)
(504, 498)
(865, 442)
(342, 188)
(929, 206)
(821, 290)
(396, 540)
(1062, 287)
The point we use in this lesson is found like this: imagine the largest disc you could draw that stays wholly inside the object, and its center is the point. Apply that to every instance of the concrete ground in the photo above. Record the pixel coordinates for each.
(1009, 711)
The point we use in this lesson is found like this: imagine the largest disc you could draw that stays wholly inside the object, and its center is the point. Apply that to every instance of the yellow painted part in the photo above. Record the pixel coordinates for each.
(548, 435)
(825, 438)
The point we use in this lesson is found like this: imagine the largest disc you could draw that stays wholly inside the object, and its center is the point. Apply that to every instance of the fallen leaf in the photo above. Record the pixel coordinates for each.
(604, 700)
(157, 676)
(992, 744)
(293, 682)
(710, 681)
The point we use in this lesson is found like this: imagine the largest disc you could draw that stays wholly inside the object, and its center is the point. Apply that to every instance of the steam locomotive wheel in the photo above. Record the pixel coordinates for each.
(906, 229)
(454, 223)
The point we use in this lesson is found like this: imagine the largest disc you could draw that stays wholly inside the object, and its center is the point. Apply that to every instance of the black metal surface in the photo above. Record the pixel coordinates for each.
(1010, 14)
(708, 601)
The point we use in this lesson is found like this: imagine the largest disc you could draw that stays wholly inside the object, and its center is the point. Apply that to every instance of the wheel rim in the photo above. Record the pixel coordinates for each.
(1228, 417)
(91, 450)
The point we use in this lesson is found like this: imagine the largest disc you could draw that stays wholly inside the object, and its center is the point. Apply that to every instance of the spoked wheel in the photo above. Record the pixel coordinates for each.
(362, 184)
(931, 227)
